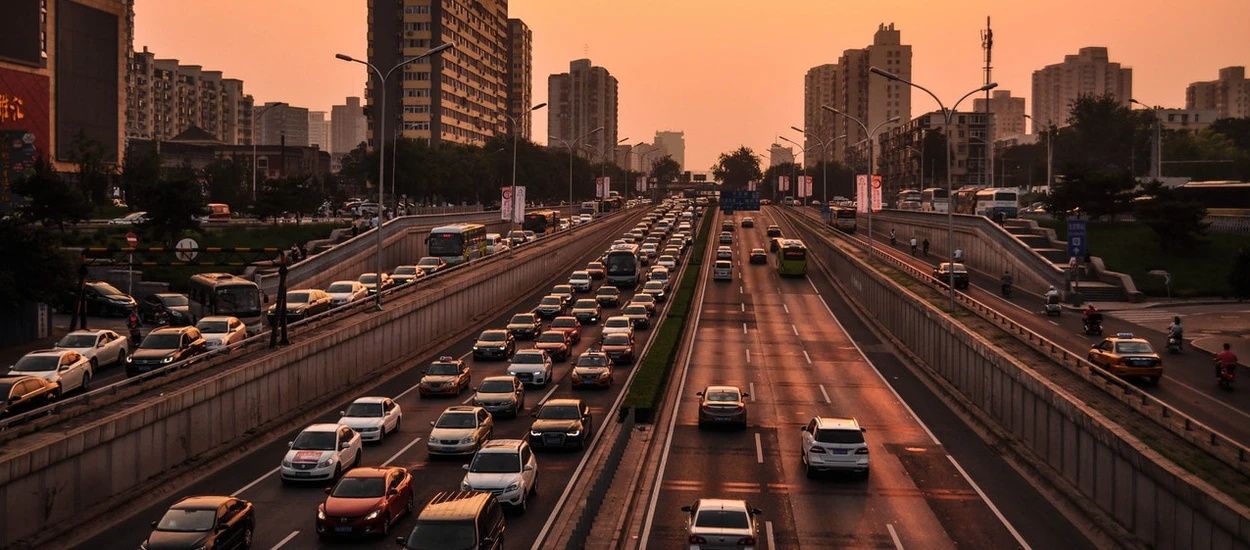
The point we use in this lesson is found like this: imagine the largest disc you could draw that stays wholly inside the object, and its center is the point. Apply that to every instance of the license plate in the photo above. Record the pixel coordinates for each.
(839, 451)
(722, 419)
(552, 439)
(303, 474)
(342, 529)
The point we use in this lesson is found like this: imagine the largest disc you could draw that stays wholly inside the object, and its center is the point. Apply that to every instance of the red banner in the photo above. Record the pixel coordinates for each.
(24, 99)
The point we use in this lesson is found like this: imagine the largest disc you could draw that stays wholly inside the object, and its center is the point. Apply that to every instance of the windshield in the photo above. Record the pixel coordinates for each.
(644, 298)
(409, 270)
(442, 369)
(723, 396)
(1133, 347)
(607, 291)
(188, 520)
(106, 289)
(495, 463)
(314, 441)
(616, 340)
(559, 412)
(617, 323)
(636, 310)
(722, 519)
(341, 288)
(653, 285)
(174, 300)
(621, 263)
(298, 297)
(594, 265)
(37, 363)
(579, 276)
(521, 319)
(551, 337)
(77, 341)
(165, 340)
(365, 410)
(242, 301)
(840, 436)
(213, 327)
(456, 420)
(496, 386)
(492, 337)
(585, 303)
(562, 289)
(360, 487)
(564, 322)
(445, 244)
(428, 262)
(592, 361)
(369, 278)
(443, 536)
(551, 301)
(530, 358)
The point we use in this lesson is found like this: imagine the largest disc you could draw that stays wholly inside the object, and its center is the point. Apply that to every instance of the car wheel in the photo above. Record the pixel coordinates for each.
(338, 471)
(398, 421)
(409, 506)
(121, 357)
(808, 471)
(524, 505)
(95, 363)
(386, 526)
(356, 463)
(247, 537)
(86, 382)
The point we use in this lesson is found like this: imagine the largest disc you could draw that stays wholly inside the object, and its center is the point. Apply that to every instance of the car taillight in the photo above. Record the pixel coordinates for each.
(696, 539)
(818, 449)
(746, 541)
(861, 451)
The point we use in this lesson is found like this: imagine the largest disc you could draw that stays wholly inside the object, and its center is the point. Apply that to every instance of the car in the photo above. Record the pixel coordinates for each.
(133, 218)
(557, 344)
(833, 444)
(530, 236)
(722, 270)
(68, 369)
(584, 218)
(446, 376)
(302, 304)
(501, 394)
(580, 281)
(321, 452)
(531, 366)
(765, 202)
(667, 261)
(372, 417)
(221, 331)
(460, 430)
(727, 226)
(102, 347)
(596, 270)
(650, 250)
(638, 315)
(658, 273)
(722, 405)
(724, 253)
(346, 292)
(647, 300)
(947, 270)
(587, 310)
(748, 221)
(525, 325)
(366, 501)
(494, 343)
(619, 347)
(174, 307)
(1127, 355)
(164, 346)
(24, 393)
(517, 237)
(505, 468)
(431, 264)
(758, 256)
(568, 325)
(199, 522)
(773, 231)
(370, 280)
(104, 300)
(775, 244)
(561, 423)
(655, 289)
(721, 523)
(551, 306)
(565, 291)
(618, 324)
(608, 296)
(404, 274)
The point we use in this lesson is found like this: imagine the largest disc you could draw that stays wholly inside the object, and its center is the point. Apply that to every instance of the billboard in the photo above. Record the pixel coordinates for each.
(22, 28)
(88, 78)
(24, 123)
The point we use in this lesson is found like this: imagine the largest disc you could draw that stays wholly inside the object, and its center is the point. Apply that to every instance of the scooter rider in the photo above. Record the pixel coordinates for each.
(913, 246)
(1175, 330)
(1006, 280)
(1225, 360)
(959, 255)
(133, 323)
(1052, 293)
(1088, 311)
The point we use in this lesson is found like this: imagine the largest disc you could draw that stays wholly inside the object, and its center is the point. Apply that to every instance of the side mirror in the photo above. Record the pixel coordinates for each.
(803, 428)
(528, 467)
(687, 509)
(101, 344)
(392, 492)
(746, 394)
(290, 444)
(328, 489)
(431, 422)
(756, 511)
(153, 524)
(399, 541)
(464, 467)
(862, 429)
(535, 415)
(342, 413)
(487, 542)
(223, 526)
(344, 445)
(700, 394)
(1094, 346)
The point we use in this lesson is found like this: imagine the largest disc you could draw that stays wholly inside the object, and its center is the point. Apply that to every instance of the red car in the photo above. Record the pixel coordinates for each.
(596, 270)
(365, 501)
(568, 325)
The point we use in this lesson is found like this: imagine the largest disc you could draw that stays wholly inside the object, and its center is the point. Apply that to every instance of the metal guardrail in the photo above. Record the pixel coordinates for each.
(1215, 443)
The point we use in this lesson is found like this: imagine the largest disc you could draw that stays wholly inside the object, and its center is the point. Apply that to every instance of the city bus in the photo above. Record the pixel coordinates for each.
(908, 199)
(458, 243)
(792, 258)
(964, 200)
(622, 266)
(934, 199)
(218, 213)
(225, 294)
(542, 222)
(844, 219)
(998, 202)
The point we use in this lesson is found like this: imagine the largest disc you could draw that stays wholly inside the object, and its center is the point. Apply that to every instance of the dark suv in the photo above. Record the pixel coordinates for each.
(164, 346)
(946, 271)
(458, 520)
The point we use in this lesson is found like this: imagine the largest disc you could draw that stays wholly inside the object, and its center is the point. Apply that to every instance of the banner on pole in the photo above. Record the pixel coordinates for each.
(783, 183)
(505, 204)
(519, 211)
(751, 185)
(861, 193)
(876, 192)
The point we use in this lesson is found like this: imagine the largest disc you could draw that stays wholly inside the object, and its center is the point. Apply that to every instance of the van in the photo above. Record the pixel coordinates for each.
(723, 270)
(457, 520)
(495, 243)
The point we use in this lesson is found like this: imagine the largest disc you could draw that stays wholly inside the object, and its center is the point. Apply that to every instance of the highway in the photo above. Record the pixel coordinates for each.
(286, 514)
(799, 351)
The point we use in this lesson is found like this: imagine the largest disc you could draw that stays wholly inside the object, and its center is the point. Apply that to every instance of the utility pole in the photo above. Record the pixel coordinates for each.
(987, 44)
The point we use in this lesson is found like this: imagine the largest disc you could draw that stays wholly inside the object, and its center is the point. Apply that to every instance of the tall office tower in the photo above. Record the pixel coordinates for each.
(780, 155)
(1228, 96)
(236, 113)
(164, 98)
(1007, 114)
(674, 144)
(521, 75)
(820, 87)
(580, 101)
(318, 130)
(282, 125)
(459, 95)
(1089, 72)
(868, 97)
(348, 126)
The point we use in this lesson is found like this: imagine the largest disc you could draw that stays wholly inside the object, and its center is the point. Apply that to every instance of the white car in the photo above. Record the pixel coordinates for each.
(321, 452)
(68, 369)
(833, 444)
(505, 468)
(618, 324)
(460, 430)
(659, 273)
(722, 523)
(133, 218)
(372, 417)
(345, 292)
(580, 281)
(667, 261)
(531, 366)
(101, 347)
(220, 331)
(584, 218)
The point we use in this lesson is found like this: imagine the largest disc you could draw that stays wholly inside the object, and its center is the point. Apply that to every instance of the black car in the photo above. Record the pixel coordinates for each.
(946, 271)
(23, 393)
(302, 304)
(587, 311)
(758, 256)
(102, 299)
(608, 296)
(551, 306)
(638, 315)
(494, 344)
(773, 231)
(225, 523)
(175, 307)
(561, 423)
(525, 325)
(748, 222)
(164, 346)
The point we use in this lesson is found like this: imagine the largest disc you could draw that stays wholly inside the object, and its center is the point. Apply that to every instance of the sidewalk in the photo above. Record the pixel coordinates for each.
(1176, 302)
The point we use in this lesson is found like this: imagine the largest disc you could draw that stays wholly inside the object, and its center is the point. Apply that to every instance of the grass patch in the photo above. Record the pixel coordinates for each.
(1132, 249)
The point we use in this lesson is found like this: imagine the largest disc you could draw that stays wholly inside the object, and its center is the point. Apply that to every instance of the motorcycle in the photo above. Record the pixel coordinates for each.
(1053, 307)
(161, 318)
(1174, 343)
(1224, 376)
(1093, 324)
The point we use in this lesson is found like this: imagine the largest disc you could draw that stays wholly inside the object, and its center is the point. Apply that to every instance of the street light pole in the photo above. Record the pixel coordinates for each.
(1156, 145)
(512, 189)
(870, 137)
(1050, 157)
(950, 181)
(379, 116)
(255, 117)
(572, 145)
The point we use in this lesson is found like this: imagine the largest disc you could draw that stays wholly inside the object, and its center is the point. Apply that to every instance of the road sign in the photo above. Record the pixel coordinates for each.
(505, 204)
(132, 239)
(739, 200)
(518, 214)
(1076, 238)
(186, 250)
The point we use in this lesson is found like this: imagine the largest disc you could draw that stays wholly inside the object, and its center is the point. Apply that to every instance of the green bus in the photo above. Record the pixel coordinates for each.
(792, 258)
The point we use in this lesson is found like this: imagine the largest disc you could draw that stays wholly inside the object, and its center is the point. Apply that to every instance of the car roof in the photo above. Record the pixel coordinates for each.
(370, 399)
(367, 471)
(722, 504)
(836, 423)
(754, 250)
(562, 402)
(219, 318)
(169, 330)
(56, 352)
(206, 502)
(168, 295)
(618, 318)
(460, 409)
(501, 446)
(494, 331)
(323, 427)
(503, 377)
(348, 281)
(93, 332)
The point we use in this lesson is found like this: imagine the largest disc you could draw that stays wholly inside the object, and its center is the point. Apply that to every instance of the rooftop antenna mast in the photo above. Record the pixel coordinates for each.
(987, 44)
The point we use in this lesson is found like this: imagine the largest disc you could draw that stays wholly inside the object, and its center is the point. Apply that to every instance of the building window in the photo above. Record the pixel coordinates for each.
(416, 126)
(417, 92)
(416, 10)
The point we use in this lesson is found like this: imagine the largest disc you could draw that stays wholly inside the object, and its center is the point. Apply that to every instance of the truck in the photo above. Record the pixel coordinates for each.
(590, 207)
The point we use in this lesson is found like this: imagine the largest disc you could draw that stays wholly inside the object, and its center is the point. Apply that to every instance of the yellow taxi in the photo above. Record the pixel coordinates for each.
(446, 376)
(1125, 355)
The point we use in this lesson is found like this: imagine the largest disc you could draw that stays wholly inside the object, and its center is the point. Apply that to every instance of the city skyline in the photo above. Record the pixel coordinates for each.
(756, 75)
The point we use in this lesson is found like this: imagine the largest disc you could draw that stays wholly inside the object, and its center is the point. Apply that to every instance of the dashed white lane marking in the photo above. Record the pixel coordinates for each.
(824, 393)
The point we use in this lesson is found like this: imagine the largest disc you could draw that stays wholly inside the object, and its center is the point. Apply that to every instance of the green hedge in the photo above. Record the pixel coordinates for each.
(647, 390)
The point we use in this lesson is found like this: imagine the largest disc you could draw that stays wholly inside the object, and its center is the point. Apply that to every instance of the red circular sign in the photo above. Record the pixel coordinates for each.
(132, 239)
(876, 183)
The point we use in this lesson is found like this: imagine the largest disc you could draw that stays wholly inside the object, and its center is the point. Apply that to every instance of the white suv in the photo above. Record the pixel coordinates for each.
(833, 444)
(531, 366)
(580, 281)
(320, 452)
(505, 468)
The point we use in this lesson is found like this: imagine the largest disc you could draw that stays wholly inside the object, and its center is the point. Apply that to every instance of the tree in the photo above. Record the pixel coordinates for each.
(44, 274)
(769, 187)
(1236, 130)
(1176, 222)
(173, 203)
(95, 176)
(734, 170)
(1239, 277)
(225, 180)
(139, 171)
(665, 170)
(51, 199)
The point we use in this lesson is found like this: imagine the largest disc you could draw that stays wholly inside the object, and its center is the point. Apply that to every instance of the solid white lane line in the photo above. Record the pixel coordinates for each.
(894, 536)
(255, 481)
(795, 329)
(786, 307)
(748, 355)
(768, 534)
(284, 541)
(751, 387)
(825, 394)
(808, 357)
(744, 328)
(401, 451)
(778, 290)
(759, 449)
(997, 513)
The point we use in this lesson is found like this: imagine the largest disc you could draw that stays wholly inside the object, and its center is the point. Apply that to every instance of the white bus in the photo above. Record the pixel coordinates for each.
(458, 243)
(908, 199)
(997, 202)
(622, 266)
(934, 199)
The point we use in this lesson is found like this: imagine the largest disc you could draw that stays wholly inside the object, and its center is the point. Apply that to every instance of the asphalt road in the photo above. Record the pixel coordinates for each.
(286, 514)
(796, 348)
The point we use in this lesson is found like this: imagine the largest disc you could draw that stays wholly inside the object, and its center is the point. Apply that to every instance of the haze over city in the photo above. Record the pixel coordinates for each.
(726, 73)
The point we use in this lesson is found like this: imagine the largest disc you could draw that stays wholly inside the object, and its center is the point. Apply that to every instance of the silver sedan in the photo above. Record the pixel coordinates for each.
(721, 524)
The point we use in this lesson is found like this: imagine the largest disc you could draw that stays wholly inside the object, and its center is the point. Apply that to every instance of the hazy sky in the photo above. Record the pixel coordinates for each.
(727, 72)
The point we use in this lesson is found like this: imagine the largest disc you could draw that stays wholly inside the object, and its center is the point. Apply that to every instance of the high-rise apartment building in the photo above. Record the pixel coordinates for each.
(1089, 72)
(900, 153)
(236, 113)
(520, 75)
(1006, 114)
(164, 98)
(1228, 96)
(282, 124)
(820, 87)
(459, 95)
(580, 101)
(318, 130)
(348, 126)
(868, 97)
(674, 145)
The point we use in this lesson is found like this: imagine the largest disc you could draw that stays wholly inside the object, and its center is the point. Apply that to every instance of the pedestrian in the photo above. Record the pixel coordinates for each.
(892, 237)
(913, 246)
(1072, 264)
(925, 246)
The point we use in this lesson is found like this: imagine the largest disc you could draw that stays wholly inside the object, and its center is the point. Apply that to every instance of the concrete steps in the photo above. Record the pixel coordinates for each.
(1093, 291)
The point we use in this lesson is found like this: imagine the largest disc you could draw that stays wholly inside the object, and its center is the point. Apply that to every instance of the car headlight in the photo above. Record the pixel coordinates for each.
(169, 359)
(464, 485)
(467, 440)
(373, 515)
(475, 348)
(286, 463)
(535, 434)
(514, 486)
(325, 463)
(321, 514)
(129, 359)
(574, 433)
(503, 347)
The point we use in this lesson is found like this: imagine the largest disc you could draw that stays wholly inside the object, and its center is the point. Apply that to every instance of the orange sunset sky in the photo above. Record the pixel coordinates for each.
(727, 72)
